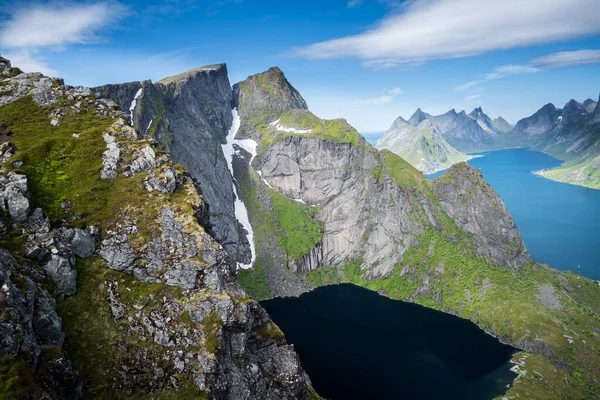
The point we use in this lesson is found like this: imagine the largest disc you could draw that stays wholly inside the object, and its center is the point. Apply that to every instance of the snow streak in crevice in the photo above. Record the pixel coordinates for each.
(241, 213)
(133, 103)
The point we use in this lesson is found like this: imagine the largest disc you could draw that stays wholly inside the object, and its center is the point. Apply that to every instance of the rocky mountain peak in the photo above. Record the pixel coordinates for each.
(263, 97)
(400, 122)
(590, 105)
(193, 72)
(417, 117)
(4, 66)
(501, 125)
(573, 109)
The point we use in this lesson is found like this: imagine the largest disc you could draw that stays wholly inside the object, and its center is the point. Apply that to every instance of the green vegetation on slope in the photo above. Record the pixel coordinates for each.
(584, 172)
(253, 281)
(59, 166)
(298, 231)
(336, 130)
(98, 346)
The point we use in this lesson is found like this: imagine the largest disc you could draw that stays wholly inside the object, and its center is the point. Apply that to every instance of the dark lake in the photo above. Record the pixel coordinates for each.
(559, 222)
(356, 344)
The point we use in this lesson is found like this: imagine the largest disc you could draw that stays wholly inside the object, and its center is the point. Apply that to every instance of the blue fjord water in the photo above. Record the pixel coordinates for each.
(560, 223)
(356, 344)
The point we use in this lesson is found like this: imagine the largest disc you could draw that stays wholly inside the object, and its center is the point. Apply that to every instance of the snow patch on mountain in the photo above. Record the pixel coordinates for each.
(133, 103)
(241, 212)
(282, 128)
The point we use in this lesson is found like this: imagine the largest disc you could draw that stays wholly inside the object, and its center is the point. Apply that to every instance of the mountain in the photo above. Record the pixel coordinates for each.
(119, 279)
(590, 105)
(482, 119)
(418, 117)
(571, 134)
(545, 119)
(501, 125)
(422, 145)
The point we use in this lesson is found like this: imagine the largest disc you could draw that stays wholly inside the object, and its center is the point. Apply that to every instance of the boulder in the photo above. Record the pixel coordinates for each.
(60, 271)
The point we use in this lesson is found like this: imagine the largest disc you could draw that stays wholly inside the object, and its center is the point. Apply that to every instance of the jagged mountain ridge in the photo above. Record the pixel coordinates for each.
(433, 143)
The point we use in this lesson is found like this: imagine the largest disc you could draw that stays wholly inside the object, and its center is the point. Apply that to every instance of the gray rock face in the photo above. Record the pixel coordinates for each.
(30, 324)
(418, 117)
(15, 196)
(5, 67)
(82, 243)
(377, 228)
(476, 208)
(540, 122)
(190, 115)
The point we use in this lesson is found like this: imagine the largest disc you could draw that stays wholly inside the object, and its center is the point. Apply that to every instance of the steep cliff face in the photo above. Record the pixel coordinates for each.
(189, 115)
(154, 310)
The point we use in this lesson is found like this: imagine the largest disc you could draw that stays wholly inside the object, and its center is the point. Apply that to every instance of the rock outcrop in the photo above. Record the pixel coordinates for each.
(472, 204)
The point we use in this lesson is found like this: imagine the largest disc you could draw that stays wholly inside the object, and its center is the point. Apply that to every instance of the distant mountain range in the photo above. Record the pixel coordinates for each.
(432, 143)
(571, 134)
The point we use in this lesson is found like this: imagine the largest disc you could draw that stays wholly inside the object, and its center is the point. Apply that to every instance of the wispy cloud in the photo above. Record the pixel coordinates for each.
(54, 26)
(567, 59)
(388, 96)
(469, 85)
(473, 97)
(354, 3)
(422, 30)
(557, 60)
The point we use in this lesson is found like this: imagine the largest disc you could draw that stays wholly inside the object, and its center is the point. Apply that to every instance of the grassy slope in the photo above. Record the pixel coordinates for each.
(580, 169)
(63, 168)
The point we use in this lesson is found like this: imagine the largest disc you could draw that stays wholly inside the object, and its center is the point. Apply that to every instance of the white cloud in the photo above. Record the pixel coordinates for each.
(497, 73)
(567, 59)
(423, 30)
(354, 3)
(57, 25)
(388, 96)
(52, 27)
(469, 85)
(556, 60)
(28, 61)
(472, 97)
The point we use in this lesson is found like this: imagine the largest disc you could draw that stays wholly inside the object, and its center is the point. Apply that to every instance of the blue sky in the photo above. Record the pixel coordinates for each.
(368, 61)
